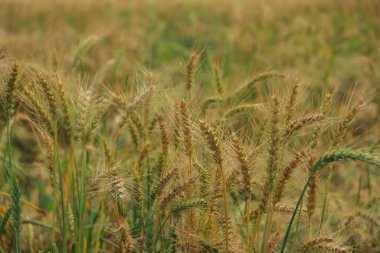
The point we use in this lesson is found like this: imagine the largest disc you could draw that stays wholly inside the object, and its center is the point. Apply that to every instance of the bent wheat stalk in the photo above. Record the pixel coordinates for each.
(320, 164)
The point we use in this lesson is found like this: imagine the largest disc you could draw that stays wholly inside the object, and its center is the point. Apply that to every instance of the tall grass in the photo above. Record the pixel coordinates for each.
(185, 183)
(196, 154)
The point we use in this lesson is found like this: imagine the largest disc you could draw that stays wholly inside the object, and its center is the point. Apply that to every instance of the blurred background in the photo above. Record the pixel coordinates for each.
(335, 42)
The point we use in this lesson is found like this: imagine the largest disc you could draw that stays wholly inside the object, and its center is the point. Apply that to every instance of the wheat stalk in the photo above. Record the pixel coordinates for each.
(320, 164)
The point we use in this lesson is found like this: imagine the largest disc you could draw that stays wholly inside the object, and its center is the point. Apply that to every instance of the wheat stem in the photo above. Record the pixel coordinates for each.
(320, 164)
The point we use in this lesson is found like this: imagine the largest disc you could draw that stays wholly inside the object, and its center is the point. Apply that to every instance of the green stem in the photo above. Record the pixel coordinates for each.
(294, 214)
(224, 185)
(368, 181)
(255, 231)
(159, 231)
(83, 198)
(297, 226)
(62, 196)
(359, 189)
(39, 224)
(325, 196)
(5, 219)
(14, 192)
(266, 229)
(247, 217)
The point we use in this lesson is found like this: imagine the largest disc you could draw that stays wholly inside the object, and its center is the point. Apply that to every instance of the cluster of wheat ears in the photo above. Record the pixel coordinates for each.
(153, 171)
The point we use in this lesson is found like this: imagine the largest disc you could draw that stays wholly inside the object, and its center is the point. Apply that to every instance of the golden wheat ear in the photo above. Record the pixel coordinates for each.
(345, 124)
(186, 127)
(49, 92)
(9, 102)
(65, 109)
(311, 244)
(272, 163)
(123, 235)
(164, 134)
(190, 70)
(159, 187)
(285, 176)
(214, 145)
(128, 108)
(38, 111)
(289, 108)
(241, 157)
(218, 80)
(176, 191)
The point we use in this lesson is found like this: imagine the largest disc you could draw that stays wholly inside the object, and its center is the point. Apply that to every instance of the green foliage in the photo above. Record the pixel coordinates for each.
(168, 126)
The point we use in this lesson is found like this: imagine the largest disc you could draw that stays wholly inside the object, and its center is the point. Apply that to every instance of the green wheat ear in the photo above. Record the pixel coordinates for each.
(343, 154)
(82, 50)
(337, 155)
(189, 204)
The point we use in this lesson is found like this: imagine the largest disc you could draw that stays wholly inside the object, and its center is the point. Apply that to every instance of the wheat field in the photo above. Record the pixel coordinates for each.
(245, 126)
